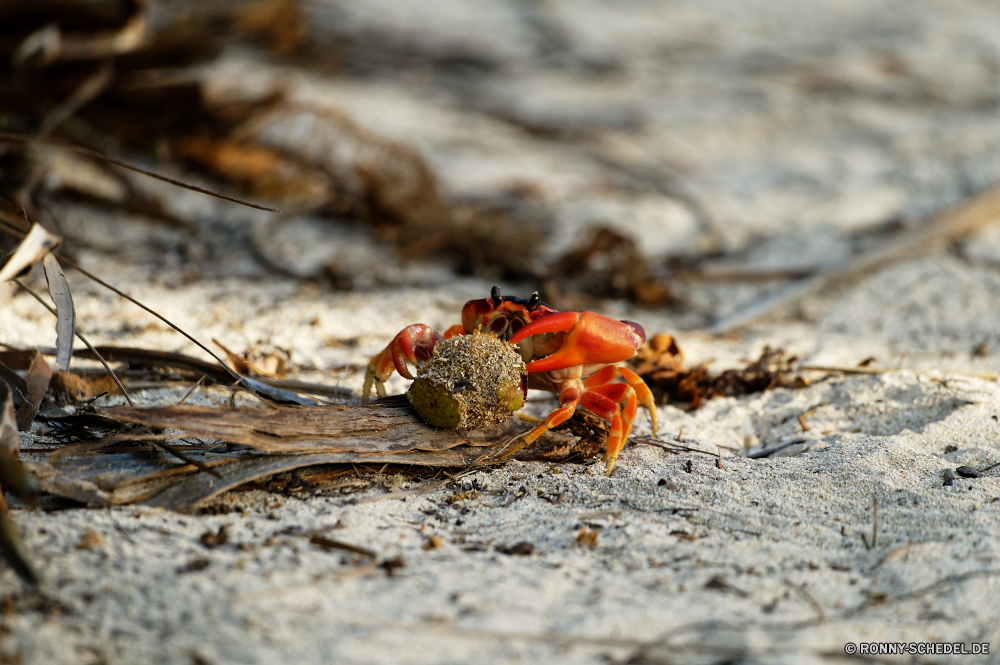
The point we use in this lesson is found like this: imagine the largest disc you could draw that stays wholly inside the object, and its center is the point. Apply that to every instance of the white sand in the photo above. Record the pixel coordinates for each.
(761, 561)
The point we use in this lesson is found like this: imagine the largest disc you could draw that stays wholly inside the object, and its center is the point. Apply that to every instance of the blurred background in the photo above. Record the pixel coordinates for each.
(689, 157)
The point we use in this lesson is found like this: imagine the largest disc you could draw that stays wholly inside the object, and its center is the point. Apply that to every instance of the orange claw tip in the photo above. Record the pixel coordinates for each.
(638, 330)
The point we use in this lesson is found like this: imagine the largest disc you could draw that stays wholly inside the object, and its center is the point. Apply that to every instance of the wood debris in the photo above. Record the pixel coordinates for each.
(660, 363)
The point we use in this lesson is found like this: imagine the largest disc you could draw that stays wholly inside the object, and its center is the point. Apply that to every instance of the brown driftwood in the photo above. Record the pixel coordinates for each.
(386, 426)
(386, 431)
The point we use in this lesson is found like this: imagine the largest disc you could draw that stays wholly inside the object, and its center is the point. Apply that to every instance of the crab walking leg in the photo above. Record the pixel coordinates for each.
(604, 401)
(569, 397)
(642, 391)
(413, 344)
(611, 372)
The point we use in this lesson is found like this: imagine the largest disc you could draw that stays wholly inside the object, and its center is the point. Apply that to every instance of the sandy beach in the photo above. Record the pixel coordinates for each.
(770, 136)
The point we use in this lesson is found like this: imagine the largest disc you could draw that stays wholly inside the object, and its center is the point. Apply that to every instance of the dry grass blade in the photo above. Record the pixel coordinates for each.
(82, 339)
(219, 373)
(24, 138)
(184, 457)
(38, 243)
(260, 388)
(65, 312)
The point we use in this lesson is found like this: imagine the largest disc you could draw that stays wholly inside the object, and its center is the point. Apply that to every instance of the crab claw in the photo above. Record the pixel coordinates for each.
(591, 338)
(414, 344)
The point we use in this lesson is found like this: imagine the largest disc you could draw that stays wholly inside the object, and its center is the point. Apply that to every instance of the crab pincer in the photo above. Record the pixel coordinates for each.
(414, 344)
(581, 367)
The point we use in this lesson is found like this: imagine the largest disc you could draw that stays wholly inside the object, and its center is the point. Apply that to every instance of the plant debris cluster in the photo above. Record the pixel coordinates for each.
(126, 79)
(660, 363)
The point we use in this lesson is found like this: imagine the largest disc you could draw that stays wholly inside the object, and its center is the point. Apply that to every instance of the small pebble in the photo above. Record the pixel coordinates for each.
(949, 477)
(967, 472)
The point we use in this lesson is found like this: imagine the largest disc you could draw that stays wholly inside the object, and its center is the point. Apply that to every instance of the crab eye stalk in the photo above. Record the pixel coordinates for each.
(533, 302)
(495, 295)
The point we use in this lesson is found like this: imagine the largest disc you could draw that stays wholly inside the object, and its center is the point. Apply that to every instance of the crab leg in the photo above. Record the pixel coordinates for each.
(604, 401)
(611, 372)
(413, 344)
(569, 397)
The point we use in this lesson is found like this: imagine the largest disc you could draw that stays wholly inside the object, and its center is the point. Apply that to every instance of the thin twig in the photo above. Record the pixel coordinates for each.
(82, 339)
(193, 388)
(668, 445)
(24, 138)
(767, 452)
(187, 458)
(874, 519)
(73, 264)
(842, 370)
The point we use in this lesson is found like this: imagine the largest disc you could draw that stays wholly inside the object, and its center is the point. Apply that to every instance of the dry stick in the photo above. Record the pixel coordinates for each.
(24, 138)
(191, 392)
(767, 452)
(187, 458)
(874, 519)
(82, 339)
(949, 226)
(666, 445)
(883, 370)
(842, 370)
(874, 540)
(92, 86)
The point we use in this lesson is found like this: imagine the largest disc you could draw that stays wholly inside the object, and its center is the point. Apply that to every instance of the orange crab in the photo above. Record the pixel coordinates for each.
(572, 354)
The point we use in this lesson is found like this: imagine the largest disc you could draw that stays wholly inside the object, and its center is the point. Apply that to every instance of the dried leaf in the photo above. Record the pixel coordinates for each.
(269, 173)
(65, 312)
(82, 388)
(278, 23)
(37, 244)
(19, 388)
(236, 361)
(9, 443)
(12, 475)
(13, 550)
(39, 376)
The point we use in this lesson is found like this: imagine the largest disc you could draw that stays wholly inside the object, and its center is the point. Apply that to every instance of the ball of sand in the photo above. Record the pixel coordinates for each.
(472, 381)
